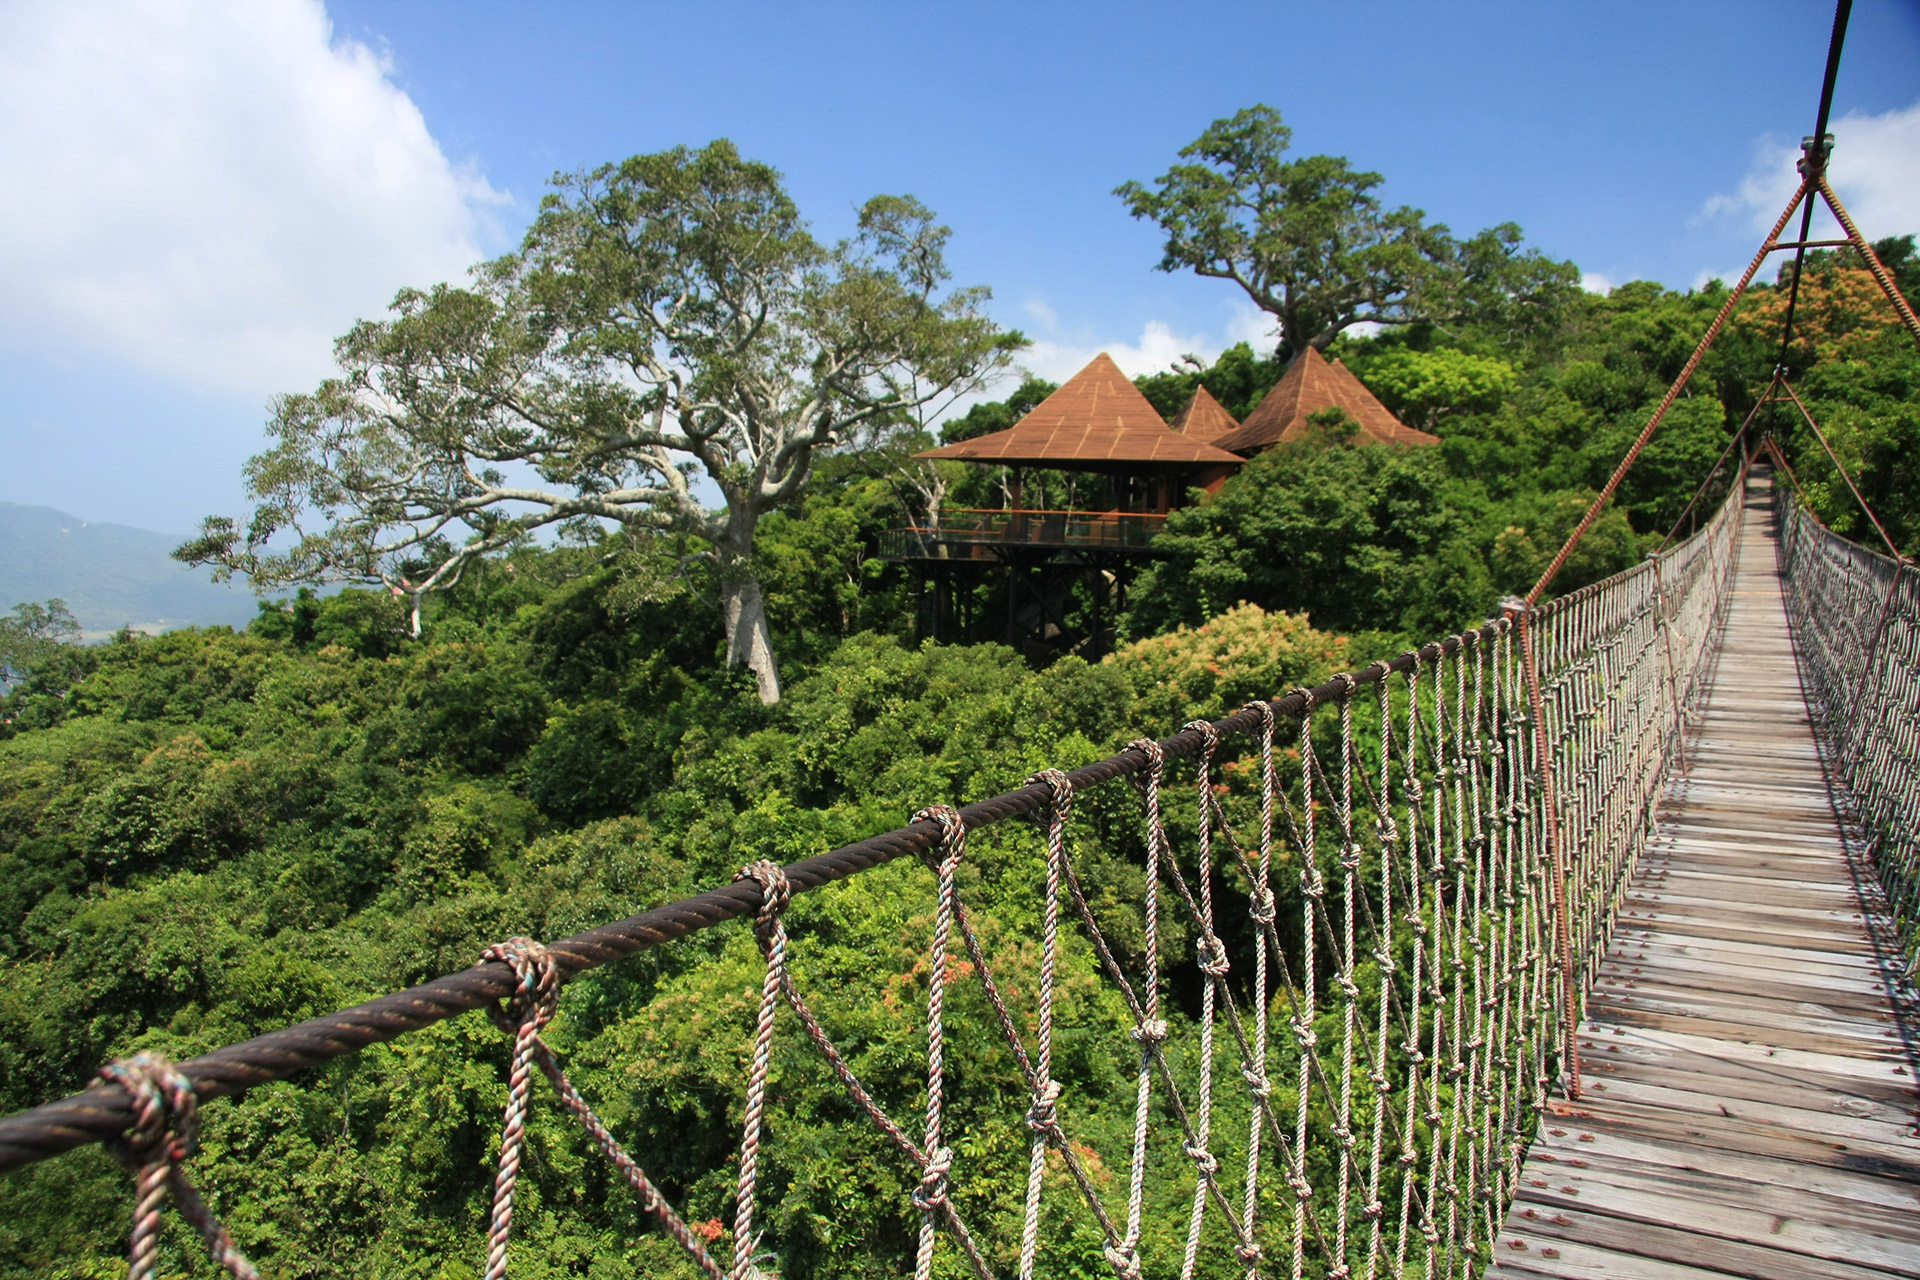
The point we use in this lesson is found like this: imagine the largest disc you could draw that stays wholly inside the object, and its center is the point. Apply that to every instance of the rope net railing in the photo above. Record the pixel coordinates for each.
(1340, 993)
(1856, 621)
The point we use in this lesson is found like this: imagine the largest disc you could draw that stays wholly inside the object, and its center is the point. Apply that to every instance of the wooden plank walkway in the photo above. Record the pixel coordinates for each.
(1749, 1101)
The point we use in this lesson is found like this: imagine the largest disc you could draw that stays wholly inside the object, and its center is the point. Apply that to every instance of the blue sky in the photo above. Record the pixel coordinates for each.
(194, 198)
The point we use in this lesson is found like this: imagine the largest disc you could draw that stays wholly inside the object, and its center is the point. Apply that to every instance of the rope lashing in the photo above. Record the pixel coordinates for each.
(1856, 617)
(523, 1016)
(1426, 952)
(1150, 1030)
(931, 1195)
(1043, 1116)
(164, 1134)
(769, 929)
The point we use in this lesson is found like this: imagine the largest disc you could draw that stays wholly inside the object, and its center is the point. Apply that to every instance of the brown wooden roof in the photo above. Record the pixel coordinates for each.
(1204, 419)
(1099, 418)
(1310, 385)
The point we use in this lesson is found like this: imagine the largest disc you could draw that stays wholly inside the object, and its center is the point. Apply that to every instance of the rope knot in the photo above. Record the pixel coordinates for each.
(1347, 685)
(166, 1111)
(775, 893)
(1208, 734)
(1150, 1031)
(1262, 907)
(932, 1191)
(1203, 1160)
(1125, 1260)
(1307, 695)
(1257, 1083)
(1248, 1252)
(1057, 782)
(1156, 761)
(1350, 856)
(1042, 1116)
(1212, 956)
(1304, 1034)
(536, 991)
(953, 834)
(165, 1131)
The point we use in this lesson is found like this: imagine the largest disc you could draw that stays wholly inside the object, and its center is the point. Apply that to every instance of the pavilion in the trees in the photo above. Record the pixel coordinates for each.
(1067, 570)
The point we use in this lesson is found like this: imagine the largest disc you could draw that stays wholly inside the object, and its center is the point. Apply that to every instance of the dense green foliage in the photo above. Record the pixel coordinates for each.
(210, 834)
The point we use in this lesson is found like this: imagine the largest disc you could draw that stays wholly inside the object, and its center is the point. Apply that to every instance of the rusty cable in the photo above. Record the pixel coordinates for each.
(1839, 466)
(1673, 394)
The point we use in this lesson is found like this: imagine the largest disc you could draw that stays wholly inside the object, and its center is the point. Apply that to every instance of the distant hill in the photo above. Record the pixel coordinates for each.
(110, 575)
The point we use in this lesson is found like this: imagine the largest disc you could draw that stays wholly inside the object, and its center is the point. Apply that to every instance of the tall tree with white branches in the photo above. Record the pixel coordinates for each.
(665, 318)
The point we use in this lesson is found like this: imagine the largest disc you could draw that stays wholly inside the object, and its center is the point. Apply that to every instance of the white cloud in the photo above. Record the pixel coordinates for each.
(1875, 170)
(1254, 327)
(214, 190)
(1594, 282)
(1043, 315)
(1158, 348)
(1058, 357)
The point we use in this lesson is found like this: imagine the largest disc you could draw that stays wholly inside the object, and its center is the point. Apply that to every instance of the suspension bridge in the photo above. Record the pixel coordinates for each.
(1581, 944)
(1749, 1106)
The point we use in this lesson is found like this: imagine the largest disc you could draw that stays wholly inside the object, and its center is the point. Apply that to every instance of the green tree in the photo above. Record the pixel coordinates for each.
(1354, 536)
(1422, 387)
(665, 317)
(1313, 246)
(34, 636)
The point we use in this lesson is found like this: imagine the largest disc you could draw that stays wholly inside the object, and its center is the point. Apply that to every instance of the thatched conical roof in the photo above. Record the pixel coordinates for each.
(1310, 385)
(1098, 419)
(1204, 419)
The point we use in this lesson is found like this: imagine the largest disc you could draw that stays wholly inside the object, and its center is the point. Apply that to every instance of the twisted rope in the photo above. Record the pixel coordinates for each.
(1211, 957)
(1262, 911)
(934, 1179)
(775, 893)
(1043, 1116)
(165, 1132)
(523, 1016)
(1310, 889)
(536, 995)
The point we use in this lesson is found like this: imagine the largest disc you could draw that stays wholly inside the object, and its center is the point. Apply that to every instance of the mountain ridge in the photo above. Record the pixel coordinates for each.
(110, 575)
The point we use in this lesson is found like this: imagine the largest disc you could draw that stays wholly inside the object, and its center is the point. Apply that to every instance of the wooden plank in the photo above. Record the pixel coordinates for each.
(1750, 1100)
(1788, 1222)
(1716, 1255)
(1733, 1169)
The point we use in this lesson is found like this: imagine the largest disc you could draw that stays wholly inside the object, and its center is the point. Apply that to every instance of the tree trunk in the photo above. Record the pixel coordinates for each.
(748, 640)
